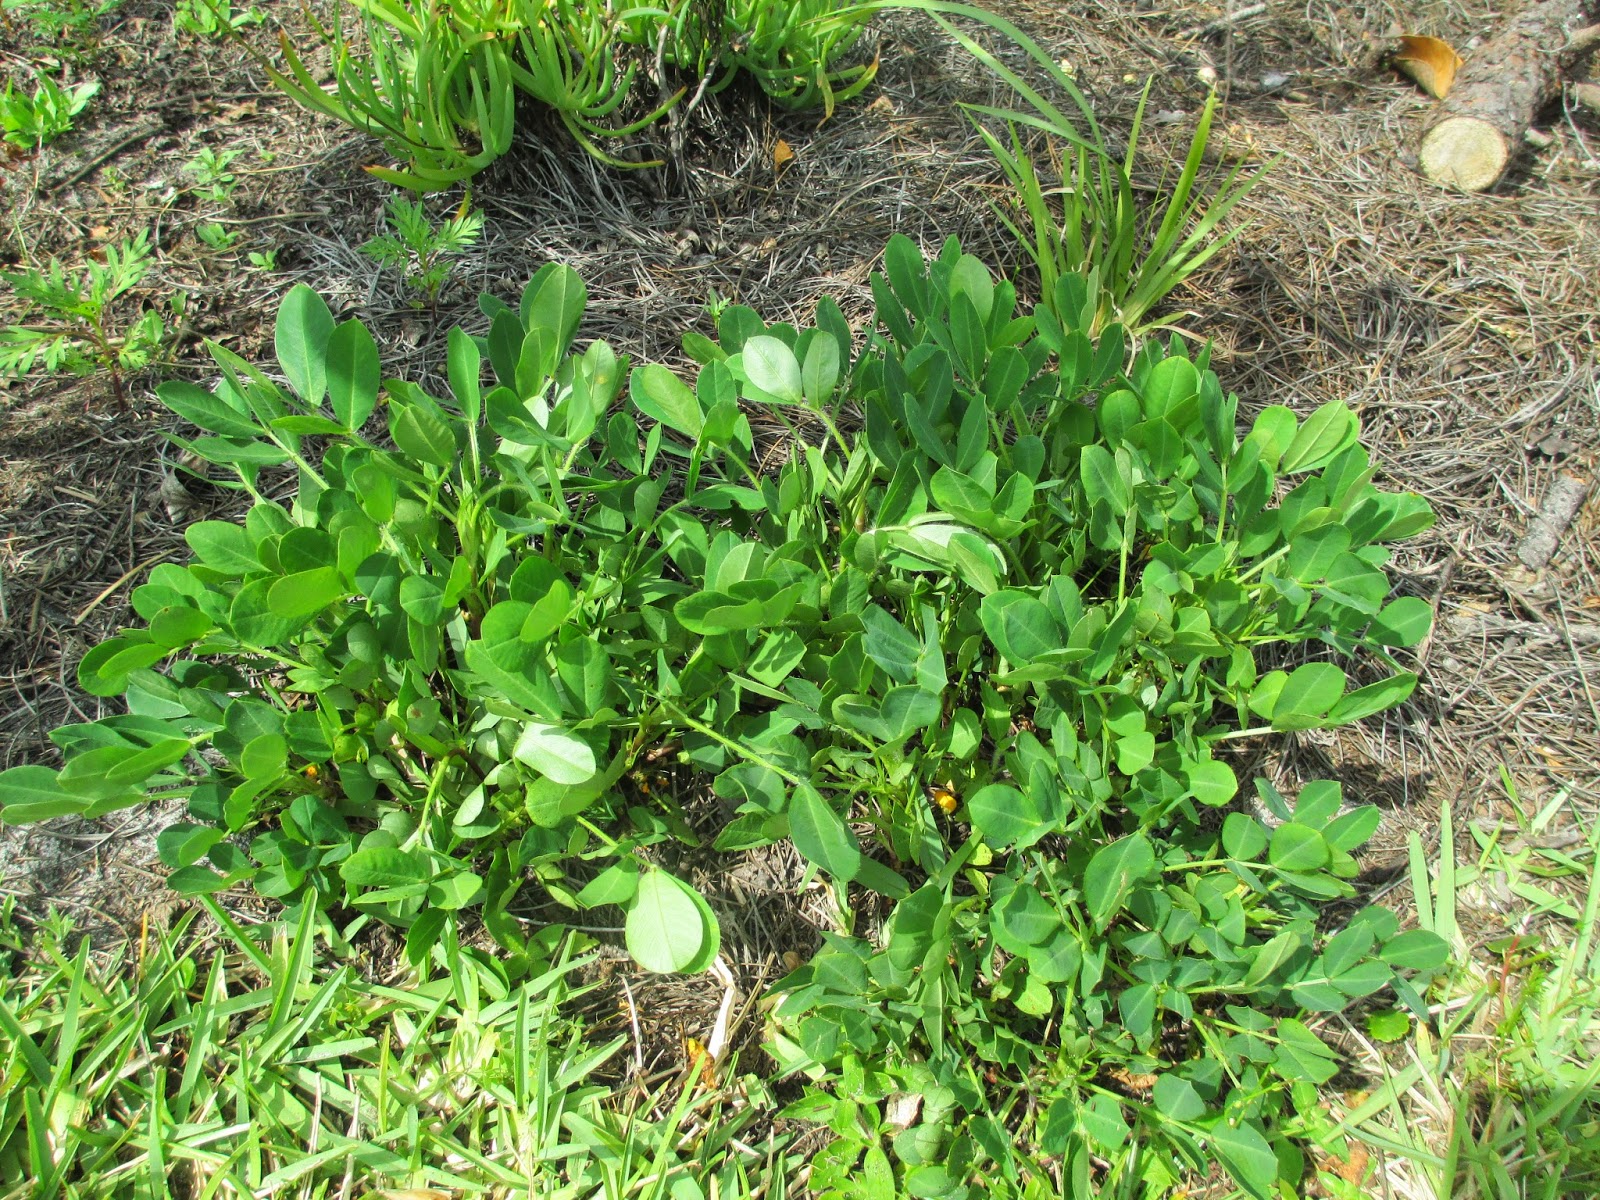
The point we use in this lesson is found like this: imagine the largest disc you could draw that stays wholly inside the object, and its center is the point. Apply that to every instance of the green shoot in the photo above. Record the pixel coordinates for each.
(213, 18)
(36, 121)
(72, 324)
(209, 168)
(422, 250)
(73, 21)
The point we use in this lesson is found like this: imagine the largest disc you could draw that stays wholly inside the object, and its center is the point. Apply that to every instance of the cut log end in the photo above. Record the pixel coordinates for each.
(1464, 152)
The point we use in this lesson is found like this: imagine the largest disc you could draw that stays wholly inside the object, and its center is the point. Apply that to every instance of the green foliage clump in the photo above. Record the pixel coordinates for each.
(212, 18)
(789, 47)
(75, 329)
(211, 170)
(421, 249)
(438, 82)
(1003, 562)
(35, 121)
(1077, 212)
(74, 22)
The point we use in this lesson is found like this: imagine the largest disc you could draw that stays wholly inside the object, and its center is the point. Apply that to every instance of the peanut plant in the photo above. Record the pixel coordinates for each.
(976, 647)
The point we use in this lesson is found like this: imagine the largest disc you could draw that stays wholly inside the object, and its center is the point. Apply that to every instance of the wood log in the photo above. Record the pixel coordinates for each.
(1497, 93)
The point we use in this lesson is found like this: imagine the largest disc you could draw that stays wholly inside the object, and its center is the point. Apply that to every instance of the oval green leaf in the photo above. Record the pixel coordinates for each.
(771, 366)
(558, 754)
(666, 930)
(821, 834)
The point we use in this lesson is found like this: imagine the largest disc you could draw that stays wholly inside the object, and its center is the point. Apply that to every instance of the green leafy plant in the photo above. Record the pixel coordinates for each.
(790, 48)
(36, 121)
(209, 168)
(437, 82)
(263, 260)
(421, 249)
(73, 326)
(217, 236)
(1132, 259)
(435, 89)
(75, 22)
(1037, 580)
(213, 18)
(1082, 213)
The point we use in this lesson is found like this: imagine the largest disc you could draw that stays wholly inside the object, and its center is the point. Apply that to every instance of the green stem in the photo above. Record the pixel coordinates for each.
(263, 652)
(1255, 731)
(738, 748)
(1263, 564)
(611, 843)
(1198, 865)
(1122, 554)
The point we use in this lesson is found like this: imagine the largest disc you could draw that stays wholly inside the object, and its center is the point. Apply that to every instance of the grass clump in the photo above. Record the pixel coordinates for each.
(1496, 1095)
(212, 1060)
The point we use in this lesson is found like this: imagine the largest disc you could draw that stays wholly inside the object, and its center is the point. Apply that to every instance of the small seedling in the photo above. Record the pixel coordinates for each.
(216, 236)
(74, 330)
(69, 21)
(212, 18)
(36, 121)
(263, 260)
(209, 169)
(414, 245)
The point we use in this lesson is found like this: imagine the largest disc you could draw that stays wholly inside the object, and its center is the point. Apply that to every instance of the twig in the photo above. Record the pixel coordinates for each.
(111, 587)
(717, 1047)
(106, 155)
(1226, 20)
(633, 1019)
(1445, 576)
(1577, 661)
(1581, 43)
(288, 216)
(1491, 626)
(1561, 505)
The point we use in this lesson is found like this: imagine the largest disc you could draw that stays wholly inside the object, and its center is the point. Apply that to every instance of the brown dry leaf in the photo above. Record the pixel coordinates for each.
(99, 233)
(782, 155)
(1552, 760)
(1431, 63)
(1140, 1084)
(1353, 1169)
